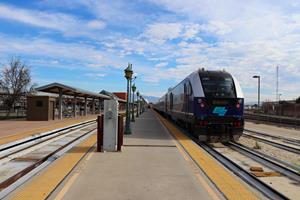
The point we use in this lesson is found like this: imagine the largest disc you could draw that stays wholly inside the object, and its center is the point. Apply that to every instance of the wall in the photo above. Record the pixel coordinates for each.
(38, 108)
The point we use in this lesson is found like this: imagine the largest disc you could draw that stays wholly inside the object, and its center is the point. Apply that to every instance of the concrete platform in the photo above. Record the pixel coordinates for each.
(12, 130)
(150, 166)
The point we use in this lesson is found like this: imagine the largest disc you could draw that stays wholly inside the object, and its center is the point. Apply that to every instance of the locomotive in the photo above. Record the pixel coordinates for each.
(210, 104)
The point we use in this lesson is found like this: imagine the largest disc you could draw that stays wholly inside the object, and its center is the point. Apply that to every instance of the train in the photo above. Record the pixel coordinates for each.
(209, 103)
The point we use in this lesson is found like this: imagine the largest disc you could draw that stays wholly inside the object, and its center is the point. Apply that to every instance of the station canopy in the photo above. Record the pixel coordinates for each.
(71, 91)
(112, 96)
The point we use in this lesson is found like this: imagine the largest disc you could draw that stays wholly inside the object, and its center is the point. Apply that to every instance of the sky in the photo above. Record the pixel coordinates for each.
(88, 43)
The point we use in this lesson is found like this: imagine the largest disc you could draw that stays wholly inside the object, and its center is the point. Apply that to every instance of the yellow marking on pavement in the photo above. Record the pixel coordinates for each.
(89, 156)
(66, 187)
(22, 135)
(203, 182)
(41, 186)
(229, 185)
(70, 182)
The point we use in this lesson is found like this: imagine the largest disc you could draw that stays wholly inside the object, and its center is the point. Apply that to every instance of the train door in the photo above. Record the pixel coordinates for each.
(187, 94)
(171, 101)
(185, 99)
(166, 103)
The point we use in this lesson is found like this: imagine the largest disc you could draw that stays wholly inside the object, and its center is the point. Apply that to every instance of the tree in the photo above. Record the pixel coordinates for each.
(15, 82)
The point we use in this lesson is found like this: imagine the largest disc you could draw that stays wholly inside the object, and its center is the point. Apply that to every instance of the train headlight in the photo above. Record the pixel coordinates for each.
(239, 103)
(201, 103)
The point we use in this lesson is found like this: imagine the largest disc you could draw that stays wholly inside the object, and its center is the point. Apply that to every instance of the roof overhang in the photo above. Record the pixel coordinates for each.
(71, 91)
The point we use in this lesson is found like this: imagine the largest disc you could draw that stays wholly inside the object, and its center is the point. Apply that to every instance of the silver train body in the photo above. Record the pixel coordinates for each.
(210, 104)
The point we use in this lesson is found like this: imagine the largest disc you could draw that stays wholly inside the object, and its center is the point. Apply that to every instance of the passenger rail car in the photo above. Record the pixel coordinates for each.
(209, 103)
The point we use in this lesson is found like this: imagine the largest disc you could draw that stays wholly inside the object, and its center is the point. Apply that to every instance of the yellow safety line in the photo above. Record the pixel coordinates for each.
(22, 135)
(229, 185)
(70, 182)
(200, 178)
(42, 185)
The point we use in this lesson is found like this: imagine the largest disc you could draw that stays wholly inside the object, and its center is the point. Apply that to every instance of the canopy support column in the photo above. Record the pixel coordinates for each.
(85, 106)
(60, 104)
(74, 105)
(93, 106)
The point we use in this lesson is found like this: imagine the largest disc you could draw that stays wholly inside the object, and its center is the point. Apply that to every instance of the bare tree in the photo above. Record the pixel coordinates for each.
(15, 82)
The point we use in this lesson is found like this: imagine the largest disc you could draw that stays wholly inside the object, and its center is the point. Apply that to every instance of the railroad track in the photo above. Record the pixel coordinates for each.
(272, 143)
(243, 174)
(20, 160)
(276, 165)
(246, 176)
(283, 139)
(262, 185)
(286, 169)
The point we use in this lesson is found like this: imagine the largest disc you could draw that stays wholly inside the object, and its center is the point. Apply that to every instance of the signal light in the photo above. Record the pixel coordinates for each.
(238, 105)
(237, 124)
(202, 105)
(203, 123)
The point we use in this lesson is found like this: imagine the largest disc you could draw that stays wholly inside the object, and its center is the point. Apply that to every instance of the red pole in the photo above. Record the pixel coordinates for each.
(100, 133)
(120, 132)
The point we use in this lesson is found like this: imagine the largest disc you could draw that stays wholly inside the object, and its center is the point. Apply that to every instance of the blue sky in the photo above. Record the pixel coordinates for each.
(88, 43)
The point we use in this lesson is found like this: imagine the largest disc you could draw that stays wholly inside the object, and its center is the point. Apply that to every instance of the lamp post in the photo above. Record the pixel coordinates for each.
(128, 75)
(279, 95)
(137, 103)
(133, 91)
(142, 105)
(258, 90)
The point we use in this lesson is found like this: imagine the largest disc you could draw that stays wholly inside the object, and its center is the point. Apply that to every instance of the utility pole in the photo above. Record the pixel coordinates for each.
(277, 69)
(258, 90)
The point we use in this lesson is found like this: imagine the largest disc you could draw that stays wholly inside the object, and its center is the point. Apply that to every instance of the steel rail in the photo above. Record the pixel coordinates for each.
(287, 140)
(29, 139)
(243, 174)
(236, 169)
(43, 139)
(265, 160)
(6, 183)
(275, 144)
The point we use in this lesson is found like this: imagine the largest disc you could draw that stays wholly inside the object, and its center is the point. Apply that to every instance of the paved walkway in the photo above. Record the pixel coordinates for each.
(150, 166)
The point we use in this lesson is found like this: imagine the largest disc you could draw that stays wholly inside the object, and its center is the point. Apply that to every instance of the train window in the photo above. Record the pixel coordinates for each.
(218, 85)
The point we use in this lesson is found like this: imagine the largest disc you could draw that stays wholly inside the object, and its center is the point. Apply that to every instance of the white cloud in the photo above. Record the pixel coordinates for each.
(217, 27)
(245, 38)
(96, 24)
(159, 32)
(67, 24)
(162, 64)
(120, 12)
(81, 54)
(95, 75)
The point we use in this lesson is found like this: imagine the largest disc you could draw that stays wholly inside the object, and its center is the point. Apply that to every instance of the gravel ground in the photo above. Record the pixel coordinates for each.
(282, 184)
(272, 151)
(274, 130)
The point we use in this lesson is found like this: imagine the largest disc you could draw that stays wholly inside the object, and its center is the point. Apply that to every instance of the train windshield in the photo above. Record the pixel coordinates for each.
(218, 85)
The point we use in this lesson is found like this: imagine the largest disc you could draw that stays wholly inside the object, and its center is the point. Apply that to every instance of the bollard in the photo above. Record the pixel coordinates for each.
(120, 132)
(100, 133)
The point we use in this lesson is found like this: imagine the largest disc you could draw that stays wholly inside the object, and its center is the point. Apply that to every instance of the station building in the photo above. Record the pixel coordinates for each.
(58, 101)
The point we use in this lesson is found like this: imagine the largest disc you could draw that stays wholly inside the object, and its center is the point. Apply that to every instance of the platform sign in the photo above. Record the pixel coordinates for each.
(110, 125)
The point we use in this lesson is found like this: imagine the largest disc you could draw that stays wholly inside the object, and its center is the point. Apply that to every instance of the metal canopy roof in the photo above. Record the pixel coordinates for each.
(111, 95)
(68, 90)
